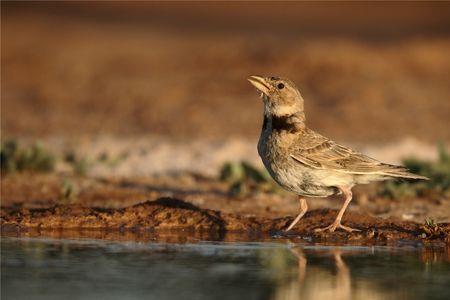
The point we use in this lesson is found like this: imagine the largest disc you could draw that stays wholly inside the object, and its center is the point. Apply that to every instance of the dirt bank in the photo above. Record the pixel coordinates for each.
(174, 214)
(203, 207)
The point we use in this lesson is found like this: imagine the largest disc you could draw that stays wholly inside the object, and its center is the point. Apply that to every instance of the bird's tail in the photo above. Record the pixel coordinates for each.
(401, 172)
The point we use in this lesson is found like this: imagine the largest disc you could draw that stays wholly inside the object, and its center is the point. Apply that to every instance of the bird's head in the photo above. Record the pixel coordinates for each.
(281, 97)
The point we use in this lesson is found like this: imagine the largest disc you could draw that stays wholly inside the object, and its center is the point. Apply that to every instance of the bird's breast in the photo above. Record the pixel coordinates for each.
(274, 150)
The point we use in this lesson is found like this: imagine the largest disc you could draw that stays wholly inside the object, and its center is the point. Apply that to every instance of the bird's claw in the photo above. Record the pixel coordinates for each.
(334, 226)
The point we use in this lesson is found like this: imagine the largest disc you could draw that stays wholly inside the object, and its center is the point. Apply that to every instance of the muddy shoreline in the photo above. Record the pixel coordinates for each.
(175, 216)
(190, 207)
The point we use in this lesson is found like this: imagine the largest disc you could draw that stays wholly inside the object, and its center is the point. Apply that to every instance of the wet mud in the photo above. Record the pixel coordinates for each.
(175, 215)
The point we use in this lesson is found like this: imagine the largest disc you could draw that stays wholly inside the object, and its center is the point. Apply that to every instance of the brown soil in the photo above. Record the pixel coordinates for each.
(35, 204)
(174, 214)
(180, 70)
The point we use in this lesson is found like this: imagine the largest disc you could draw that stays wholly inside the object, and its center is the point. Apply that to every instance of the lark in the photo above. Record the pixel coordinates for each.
(305, 162)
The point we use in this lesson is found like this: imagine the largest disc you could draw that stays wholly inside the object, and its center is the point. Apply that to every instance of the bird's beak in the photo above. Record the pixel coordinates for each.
(260, 83)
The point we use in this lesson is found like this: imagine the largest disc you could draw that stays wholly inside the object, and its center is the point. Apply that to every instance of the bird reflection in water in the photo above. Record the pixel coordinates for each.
(318, 279)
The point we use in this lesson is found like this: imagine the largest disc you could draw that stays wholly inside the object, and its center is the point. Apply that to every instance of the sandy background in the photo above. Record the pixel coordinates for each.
(370, 73)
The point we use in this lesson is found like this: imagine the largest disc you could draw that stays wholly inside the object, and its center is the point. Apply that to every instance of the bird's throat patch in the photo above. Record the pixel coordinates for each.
(285, 123)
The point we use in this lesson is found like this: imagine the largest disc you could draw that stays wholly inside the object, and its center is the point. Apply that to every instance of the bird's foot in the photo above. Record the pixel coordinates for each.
(334, 226)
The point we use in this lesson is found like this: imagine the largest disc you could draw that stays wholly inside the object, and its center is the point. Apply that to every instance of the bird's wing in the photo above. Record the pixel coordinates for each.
(318, 152)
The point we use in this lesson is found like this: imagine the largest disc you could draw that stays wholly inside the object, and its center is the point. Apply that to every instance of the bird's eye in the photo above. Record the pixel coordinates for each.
(280, 86)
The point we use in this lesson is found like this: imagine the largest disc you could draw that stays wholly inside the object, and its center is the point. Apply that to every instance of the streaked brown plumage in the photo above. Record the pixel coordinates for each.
(306, 162)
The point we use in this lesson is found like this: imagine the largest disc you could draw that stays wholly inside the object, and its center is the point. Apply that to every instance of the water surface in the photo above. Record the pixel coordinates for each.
(43, 268)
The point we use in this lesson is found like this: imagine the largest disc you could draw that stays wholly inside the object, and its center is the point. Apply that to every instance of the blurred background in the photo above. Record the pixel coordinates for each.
(371, 73)
(134, 117)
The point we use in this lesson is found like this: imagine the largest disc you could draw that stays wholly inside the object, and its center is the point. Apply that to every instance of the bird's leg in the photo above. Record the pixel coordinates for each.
(298, 252)
(303, 209)
(337, 223)
(343, 279)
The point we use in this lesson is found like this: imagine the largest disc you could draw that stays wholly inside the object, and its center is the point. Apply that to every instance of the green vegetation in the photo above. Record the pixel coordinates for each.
(112, 161)
(30, 158)
(438, 172)
(35, 158)
(244, 179)
(80, 165)
(431, 230)
(68, 192)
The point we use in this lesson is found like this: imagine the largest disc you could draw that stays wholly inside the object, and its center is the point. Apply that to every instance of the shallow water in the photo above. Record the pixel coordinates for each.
(43, 268)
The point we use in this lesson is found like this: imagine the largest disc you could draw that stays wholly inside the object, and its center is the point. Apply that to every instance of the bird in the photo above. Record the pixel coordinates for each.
(305, 162)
